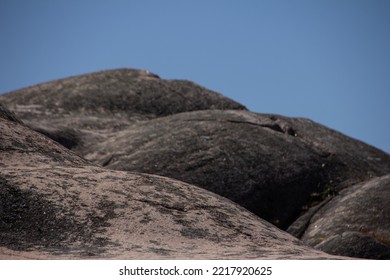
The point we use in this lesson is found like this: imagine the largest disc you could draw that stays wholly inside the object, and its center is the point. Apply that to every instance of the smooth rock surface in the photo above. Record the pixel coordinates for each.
(355, 244)
(128, 94)
(56, 205)
(355, 223)
(132, 120)
(91, 106)
(269, 164)
(277, 167)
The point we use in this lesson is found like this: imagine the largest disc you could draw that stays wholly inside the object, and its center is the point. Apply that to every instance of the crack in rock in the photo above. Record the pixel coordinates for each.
(275, 127)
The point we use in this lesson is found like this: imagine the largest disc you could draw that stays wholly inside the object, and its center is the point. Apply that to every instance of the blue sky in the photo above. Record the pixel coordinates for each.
(324, 60)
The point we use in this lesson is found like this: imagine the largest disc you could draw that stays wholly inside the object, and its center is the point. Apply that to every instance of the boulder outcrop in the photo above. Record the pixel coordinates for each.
(83, 110)
(356, 223)
(293, 172)
(269, 164)
(54, 204)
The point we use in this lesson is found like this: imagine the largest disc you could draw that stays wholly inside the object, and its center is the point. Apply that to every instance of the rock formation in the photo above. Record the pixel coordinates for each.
(355, 223)
(55, 204)
(285, 170)
(267, 163)
(86, 108)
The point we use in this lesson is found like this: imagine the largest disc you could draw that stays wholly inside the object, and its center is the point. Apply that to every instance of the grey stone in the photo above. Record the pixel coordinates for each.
(355, 223)
(355, 244)
(56, 205)
(285, 170)
(269, 164)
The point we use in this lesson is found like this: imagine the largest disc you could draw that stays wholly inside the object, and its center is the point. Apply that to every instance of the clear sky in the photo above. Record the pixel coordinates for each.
(325, 60)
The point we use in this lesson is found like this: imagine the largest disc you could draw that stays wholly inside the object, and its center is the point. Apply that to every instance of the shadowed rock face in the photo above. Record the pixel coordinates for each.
(279, 168)
(53, 204)
(355, 244)
(116, 97)
(7, 115)
(269, 164)
(356, 223)
(83, 110)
